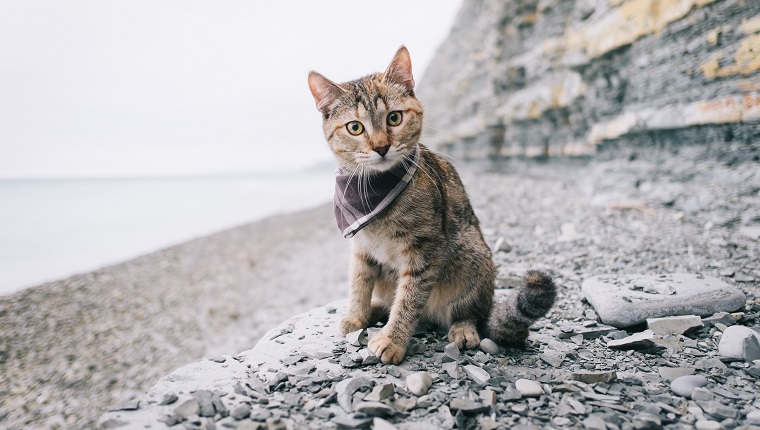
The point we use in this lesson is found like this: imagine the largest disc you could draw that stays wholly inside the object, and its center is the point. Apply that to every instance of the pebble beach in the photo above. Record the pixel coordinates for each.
(71, 348)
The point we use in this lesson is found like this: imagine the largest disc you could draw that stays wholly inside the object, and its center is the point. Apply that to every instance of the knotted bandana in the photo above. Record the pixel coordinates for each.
(358, 201)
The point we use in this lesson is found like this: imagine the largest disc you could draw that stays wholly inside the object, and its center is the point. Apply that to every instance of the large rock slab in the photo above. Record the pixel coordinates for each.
(627, 300)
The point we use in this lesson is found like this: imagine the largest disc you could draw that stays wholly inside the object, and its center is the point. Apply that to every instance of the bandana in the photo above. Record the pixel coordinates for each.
(359, 202)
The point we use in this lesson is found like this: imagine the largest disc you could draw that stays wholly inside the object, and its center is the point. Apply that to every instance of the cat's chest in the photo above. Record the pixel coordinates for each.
(382, 248)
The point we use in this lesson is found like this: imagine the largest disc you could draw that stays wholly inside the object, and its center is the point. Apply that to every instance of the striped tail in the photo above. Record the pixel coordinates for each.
(510, 319)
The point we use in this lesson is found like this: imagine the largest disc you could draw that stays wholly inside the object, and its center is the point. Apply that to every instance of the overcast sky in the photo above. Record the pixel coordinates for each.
(162, 88)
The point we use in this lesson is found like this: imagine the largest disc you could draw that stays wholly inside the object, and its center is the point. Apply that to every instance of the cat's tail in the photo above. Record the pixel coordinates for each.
(510, 319)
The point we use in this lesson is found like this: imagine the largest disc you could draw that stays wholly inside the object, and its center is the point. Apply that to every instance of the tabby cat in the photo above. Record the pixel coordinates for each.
(422, 257)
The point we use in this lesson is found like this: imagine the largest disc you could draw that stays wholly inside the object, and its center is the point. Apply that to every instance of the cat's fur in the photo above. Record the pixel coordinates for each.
(424, 258)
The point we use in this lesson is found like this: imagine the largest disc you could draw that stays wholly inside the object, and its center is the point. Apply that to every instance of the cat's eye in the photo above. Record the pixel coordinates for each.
(355, 128)
(394, 118)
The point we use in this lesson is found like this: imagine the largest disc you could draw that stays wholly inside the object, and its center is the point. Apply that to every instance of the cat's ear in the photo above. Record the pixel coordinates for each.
(325, 91)
(400, 70)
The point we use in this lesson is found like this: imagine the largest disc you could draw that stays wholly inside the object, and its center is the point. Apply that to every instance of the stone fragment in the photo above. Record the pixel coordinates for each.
(702, 394)
(380, 392)
(381, 424)
(708, 425)
(489, 397)
(529, 388)
(731, 343)
(618, 305)
(674, 325)
(346, 388)
(418, 383)
(724, 318)
(751, 349)
(671, 373)
(594, 422)
(403, 404)
(511, 393)
(636, 341)
(709, 363)
(489, 346)
(467, 406)
(593, 332)
(187, 408)
(753, 417)
(351, 422)
(452, 368)
(374, 409)
(168, 399)
(477, 374)
(451, 352)
(646, 421)
(552, 358)
(205, 405)
(131, 405)
(593, 377)
(241, 411)
(685, 385)
(718, 409)
(357, 338)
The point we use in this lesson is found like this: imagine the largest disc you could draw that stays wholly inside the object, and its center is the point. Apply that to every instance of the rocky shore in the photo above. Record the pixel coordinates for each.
(652, 212)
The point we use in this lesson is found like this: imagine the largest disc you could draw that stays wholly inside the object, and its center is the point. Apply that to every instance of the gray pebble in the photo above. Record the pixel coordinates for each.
(240, 412)
(488, 346)
(528, 388)
(477, 374)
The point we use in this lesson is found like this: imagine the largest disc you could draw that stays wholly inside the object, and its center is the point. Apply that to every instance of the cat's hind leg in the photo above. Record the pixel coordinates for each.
(464, 334)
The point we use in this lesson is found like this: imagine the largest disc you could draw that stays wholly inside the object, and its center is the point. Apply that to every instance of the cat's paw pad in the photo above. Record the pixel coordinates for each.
(386, 350)
(464, 336)
(350, 324)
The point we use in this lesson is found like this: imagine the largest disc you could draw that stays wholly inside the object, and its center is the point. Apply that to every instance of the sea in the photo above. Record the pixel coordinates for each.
(53, 228)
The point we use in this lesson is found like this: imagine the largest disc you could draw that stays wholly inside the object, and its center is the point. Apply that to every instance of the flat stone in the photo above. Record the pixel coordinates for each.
(131, 405)
(452, 368)
(593, 377)
(489, 346)
(594, 422)
(477, 374)
(380, 392)
(381, 424)
(642, 340)
(709, 363)
(346, 388)
(724, 318)
(718, 409)
(489, 397)
(451, 352)
(241, 411)
(702, 394)
(751, 349)
(418, 383)
(671, 373)
(374, 409)
(529, 388)
(357, 338)
(187, 408)
(467, 406)
(731, 343)
(552, 358)
(685, 385)
(620, 306)
(753, 417)
(351, 422)
(168, 399)
(592, 332)
(646, 421)
(708, 425)
(674, 325)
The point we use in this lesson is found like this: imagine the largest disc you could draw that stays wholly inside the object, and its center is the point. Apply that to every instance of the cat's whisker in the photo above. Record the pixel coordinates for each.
(458, 162)
(349, 180)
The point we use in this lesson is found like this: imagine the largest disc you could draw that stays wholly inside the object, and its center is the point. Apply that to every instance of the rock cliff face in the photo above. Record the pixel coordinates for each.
(561, 77)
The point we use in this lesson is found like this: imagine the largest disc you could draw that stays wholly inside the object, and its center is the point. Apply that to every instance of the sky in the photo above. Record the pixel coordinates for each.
(181, 88)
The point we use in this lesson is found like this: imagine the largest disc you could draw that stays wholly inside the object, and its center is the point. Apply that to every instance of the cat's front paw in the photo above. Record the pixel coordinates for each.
(388, 351)
(351, 324)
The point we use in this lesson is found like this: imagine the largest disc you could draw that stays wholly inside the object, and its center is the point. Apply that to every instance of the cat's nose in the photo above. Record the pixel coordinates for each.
(382, 150)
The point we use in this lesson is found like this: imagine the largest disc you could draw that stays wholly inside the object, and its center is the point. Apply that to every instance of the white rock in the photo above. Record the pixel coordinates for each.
(674, 325)
(489, 346)
(619, 300)
(684, 386)
(708, 425)
(528, 388)
(418, 383)
(754, 417)
(731, 343)
(477, 374)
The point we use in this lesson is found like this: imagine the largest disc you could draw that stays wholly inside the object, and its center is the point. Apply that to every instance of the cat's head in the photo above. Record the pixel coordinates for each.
(372, 122)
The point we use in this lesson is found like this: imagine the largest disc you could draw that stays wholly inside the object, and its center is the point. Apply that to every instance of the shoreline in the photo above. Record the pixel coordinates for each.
(70, 346)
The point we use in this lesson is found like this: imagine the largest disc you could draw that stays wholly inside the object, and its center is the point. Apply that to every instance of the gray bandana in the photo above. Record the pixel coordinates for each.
(357, 203)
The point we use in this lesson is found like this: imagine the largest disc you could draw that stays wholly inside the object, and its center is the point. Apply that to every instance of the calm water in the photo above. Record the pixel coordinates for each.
(50, 229)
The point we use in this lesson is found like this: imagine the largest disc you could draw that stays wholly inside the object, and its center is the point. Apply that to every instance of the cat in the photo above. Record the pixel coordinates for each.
(422, 257)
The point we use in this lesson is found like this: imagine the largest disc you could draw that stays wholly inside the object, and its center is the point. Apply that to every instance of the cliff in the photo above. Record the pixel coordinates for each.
(562, 77)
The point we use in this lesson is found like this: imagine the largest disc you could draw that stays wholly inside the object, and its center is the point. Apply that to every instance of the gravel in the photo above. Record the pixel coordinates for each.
(649, 212)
